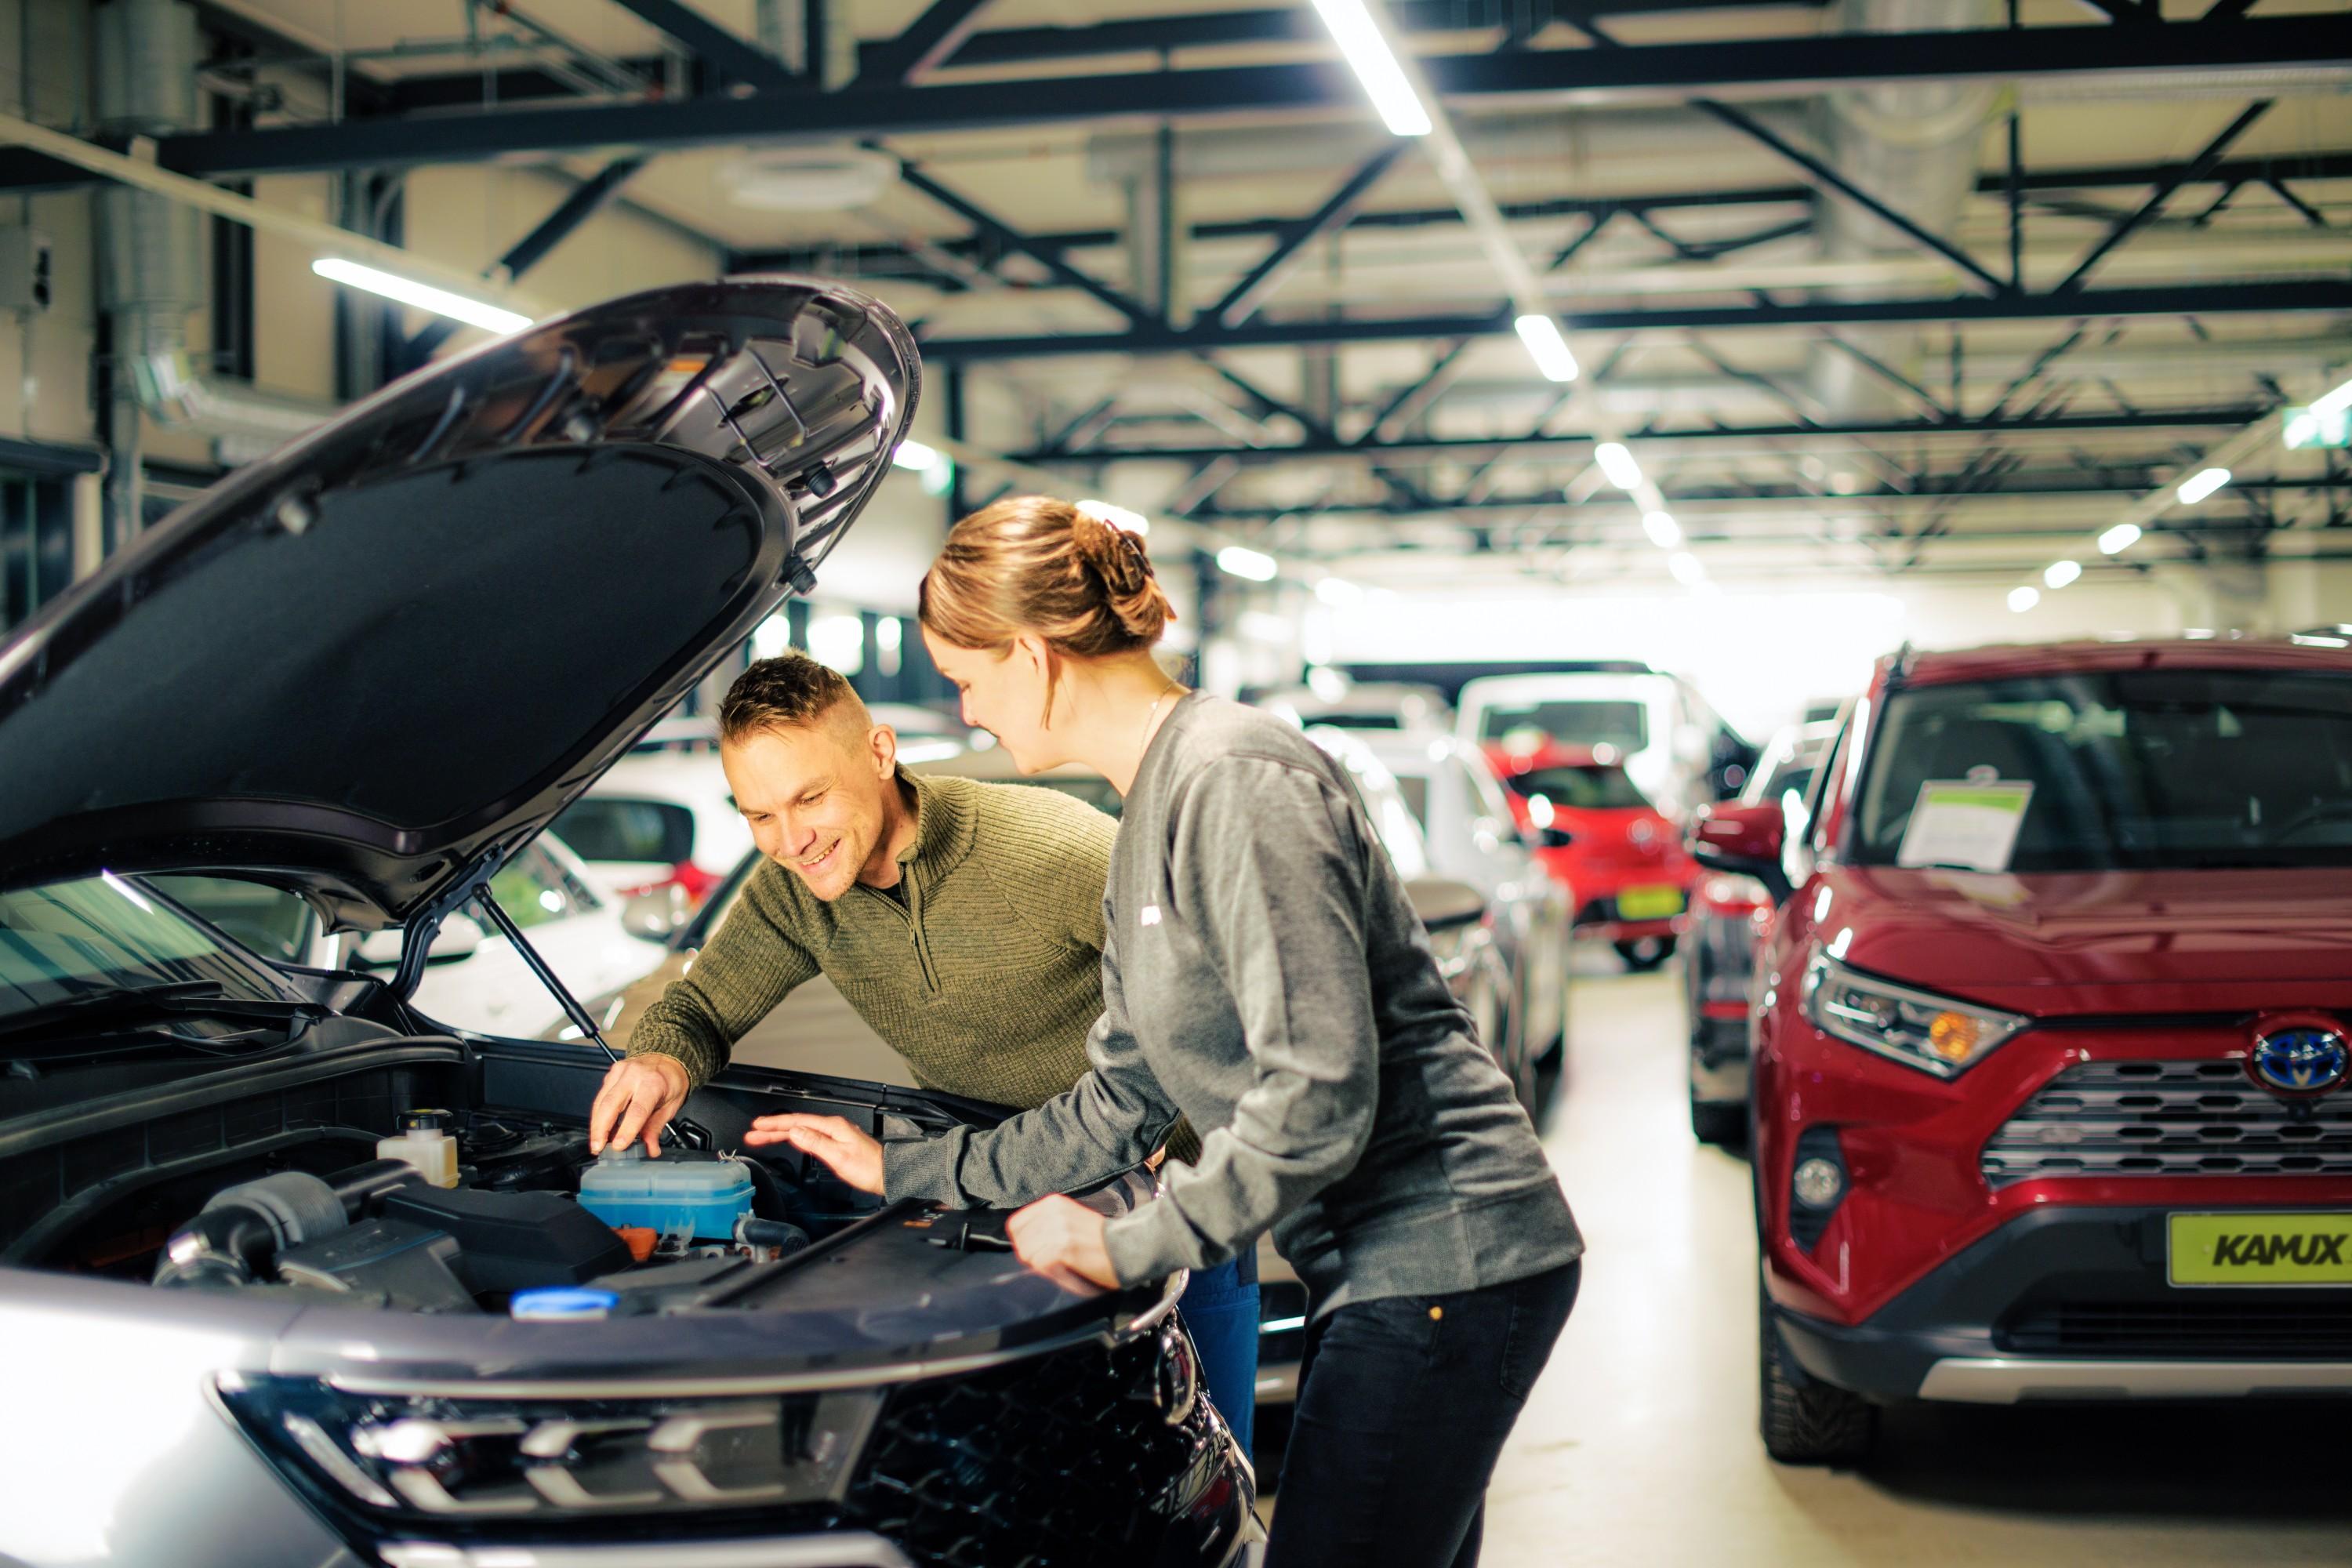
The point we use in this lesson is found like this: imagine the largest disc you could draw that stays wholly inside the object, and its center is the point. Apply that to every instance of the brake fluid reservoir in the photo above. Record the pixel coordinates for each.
(424, 1143)
(681, 1192)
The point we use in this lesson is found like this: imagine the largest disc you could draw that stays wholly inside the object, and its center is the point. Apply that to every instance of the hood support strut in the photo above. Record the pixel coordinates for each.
(476, 885)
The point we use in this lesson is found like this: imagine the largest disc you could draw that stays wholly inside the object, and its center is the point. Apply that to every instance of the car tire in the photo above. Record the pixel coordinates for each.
(1725, 1126)
(1805, 1421)
(1645, 954)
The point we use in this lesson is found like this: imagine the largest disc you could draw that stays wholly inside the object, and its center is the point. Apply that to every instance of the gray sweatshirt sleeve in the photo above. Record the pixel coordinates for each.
(1267, 873)
(1108, 1121)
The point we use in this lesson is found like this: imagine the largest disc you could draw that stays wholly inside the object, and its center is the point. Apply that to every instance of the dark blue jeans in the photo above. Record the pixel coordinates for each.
(1220, 1311)
(1403, 1404)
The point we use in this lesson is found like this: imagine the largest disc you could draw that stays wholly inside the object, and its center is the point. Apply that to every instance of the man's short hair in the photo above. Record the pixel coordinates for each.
(791, 690)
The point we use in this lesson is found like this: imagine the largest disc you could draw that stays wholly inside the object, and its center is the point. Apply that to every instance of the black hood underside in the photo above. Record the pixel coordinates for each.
(369, 667)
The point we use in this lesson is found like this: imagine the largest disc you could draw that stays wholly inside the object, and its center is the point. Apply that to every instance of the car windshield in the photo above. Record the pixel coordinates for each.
(69, 940)
(1581, 786)
(1573, 721)
(2131, 769)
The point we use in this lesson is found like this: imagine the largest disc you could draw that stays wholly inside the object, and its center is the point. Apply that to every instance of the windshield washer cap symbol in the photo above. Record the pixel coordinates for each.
(2300, 1058)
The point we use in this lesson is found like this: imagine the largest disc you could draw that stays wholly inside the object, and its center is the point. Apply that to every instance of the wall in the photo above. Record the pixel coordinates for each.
(45, 358)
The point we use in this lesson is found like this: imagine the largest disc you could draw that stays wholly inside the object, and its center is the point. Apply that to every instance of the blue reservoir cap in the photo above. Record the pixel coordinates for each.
(559, 1302)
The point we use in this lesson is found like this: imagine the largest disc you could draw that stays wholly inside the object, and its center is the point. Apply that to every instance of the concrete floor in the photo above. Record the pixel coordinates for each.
(1640, 1445)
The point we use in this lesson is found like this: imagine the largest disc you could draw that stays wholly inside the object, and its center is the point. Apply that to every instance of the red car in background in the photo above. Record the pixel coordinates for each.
(2052, 1089)
(1621, 857)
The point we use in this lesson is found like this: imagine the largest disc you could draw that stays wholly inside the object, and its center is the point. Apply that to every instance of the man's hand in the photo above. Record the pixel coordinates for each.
(639, 1096)
(1062, 1239)
(851, 1154)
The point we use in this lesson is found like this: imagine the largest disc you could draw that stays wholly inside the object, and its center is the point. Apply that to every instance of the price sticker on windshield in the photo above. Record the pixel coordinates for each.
(1965, 822)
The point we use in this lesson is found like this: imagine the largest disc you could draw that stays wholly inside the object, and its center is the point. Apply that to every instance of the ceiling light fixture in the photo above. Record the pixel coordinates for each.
(2023, 599)
(1548, 346)
(1338, 592)
(1242, 561)
(1685, 568)
(2202, 483)
(2332, 403)
(1367, 53)
(2118, 539)
(2061, 573)
(1661, 529)
(914, 455)
(1616, 460)
(424, 296)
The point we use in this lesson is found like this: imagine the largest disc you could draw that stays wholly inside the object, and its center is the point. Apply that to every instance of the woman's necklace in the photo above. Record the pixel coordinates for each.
(1153, 718)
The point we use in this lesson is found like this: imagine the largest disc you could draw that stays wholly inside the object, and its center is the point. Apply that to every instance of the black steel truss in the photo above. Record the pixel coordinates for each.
(1323, 447)
(1153, 338)
(1661, 73)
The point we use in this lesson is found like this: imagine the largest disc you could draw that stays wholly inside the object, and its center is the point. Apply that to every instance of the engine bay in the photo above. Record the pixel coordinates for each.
(524, 1222)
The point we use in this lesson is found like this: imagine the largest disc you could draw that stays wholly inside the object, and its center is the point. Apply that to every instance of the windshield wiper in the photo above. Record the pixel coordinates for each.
(168, 996)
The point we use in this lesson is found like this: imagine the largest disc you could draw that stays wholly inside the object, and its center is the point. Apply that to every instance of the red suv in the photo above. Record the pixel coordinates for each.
(2049, 1058)
(1621, 859)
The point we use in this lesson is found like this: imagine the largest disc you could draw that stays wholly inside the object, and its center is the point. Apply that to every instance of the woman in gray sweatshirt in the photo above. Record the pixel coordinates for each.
(1265, 975)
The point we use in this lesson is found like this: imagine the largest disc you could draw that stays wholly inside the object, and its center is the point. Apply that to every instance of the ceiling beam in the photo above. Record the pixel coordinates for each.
(723, 51)
(2231, 299)
(1526, 78)
(1473, 448)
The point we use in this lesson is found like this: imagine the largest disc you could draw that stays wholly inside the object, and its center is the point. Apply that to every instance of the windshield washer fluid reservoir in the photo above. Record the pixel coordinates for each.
(677, 1194)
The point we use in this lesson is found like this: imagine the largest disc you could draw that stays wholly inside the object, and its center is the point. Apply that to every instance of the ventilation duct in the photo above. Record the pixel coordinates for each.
(150, 277)
(1914, 146)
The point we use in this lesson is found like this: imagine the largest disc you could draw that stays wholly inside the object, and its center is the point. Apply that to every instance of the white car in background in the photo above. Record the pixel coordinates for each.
(659, 825)
(1672, 744)
(474, 979)
(1364, 705)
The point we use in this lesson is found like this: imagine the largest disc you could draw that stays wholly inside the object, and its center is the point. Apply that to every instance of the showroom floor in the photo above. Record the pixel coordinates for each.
(1640, 1447)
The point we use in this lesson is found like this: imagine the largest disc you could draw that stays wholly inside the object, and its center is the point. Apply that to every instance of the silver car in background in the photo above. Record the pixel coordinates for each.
(1472, 838)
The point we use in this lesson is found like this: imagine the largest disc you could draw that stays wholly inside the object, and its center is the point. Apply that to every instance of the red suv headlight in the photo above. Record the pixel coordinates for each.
(1918, 1028)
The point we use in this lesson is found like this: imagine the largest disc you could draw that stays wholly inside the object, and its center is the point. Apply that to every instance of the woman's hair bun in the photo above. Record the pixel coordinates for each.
(1067, 571)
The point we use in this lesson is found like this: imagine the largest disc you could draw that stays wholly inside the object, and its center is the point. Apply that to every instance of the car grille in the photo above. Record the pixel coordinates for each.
(1064, 1459)
(2167, 1119)
(2291, 1331)
(1060, 1461)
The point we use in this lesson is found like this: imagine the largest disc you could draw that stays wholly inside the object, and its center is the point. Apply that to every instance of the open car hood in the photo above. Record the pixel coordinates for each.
(371, 666)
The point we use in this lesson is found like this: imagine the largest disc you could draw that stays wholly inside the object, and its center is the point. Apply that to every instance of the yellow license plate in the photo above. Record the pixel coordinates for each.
(2262, 1248)
(1649, 904)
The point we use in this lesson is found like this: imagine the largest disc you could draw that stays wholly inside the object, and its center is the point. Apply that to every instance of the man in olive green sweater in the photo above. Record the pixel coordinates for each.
(963, 921)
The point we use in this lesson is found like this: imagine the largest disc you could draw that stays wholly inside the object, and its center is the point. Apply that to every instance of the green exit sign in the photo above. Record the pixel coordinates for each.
(2307, 430)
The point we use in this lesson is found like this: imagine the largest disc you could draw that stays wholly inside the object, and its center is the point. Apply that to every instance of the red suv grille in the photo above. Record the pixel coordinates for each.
(2167, 1119)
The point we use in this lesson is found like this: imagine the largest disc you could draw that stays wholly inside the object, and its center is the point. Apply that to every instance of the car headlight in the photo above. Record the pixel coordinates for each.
(1917, 1028)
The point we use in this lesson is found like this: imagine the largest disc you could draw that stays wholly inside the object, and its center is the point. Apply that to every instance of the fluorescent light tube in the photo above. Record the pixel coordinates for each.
(2061, 573)
(424, 296)
(2118, 539)
(1685, 568)
(1338, 591)
(1250, 563)
(2023, 599)
(1661, 529)
(2333, 402)
(1366, 50)
(916, 456)
(2202, 483)
(1548, 346)
(1618, 463)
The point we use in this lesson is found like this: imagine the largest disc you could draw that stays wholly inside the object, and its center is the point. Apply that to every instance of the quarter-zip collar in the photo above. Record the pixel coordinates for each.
(944, 827)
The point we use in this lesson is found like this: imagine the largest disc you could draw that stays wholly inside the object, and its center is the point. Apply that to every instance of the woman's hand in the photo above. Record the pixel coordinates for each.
(1062, 1239)
(849, 1153)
